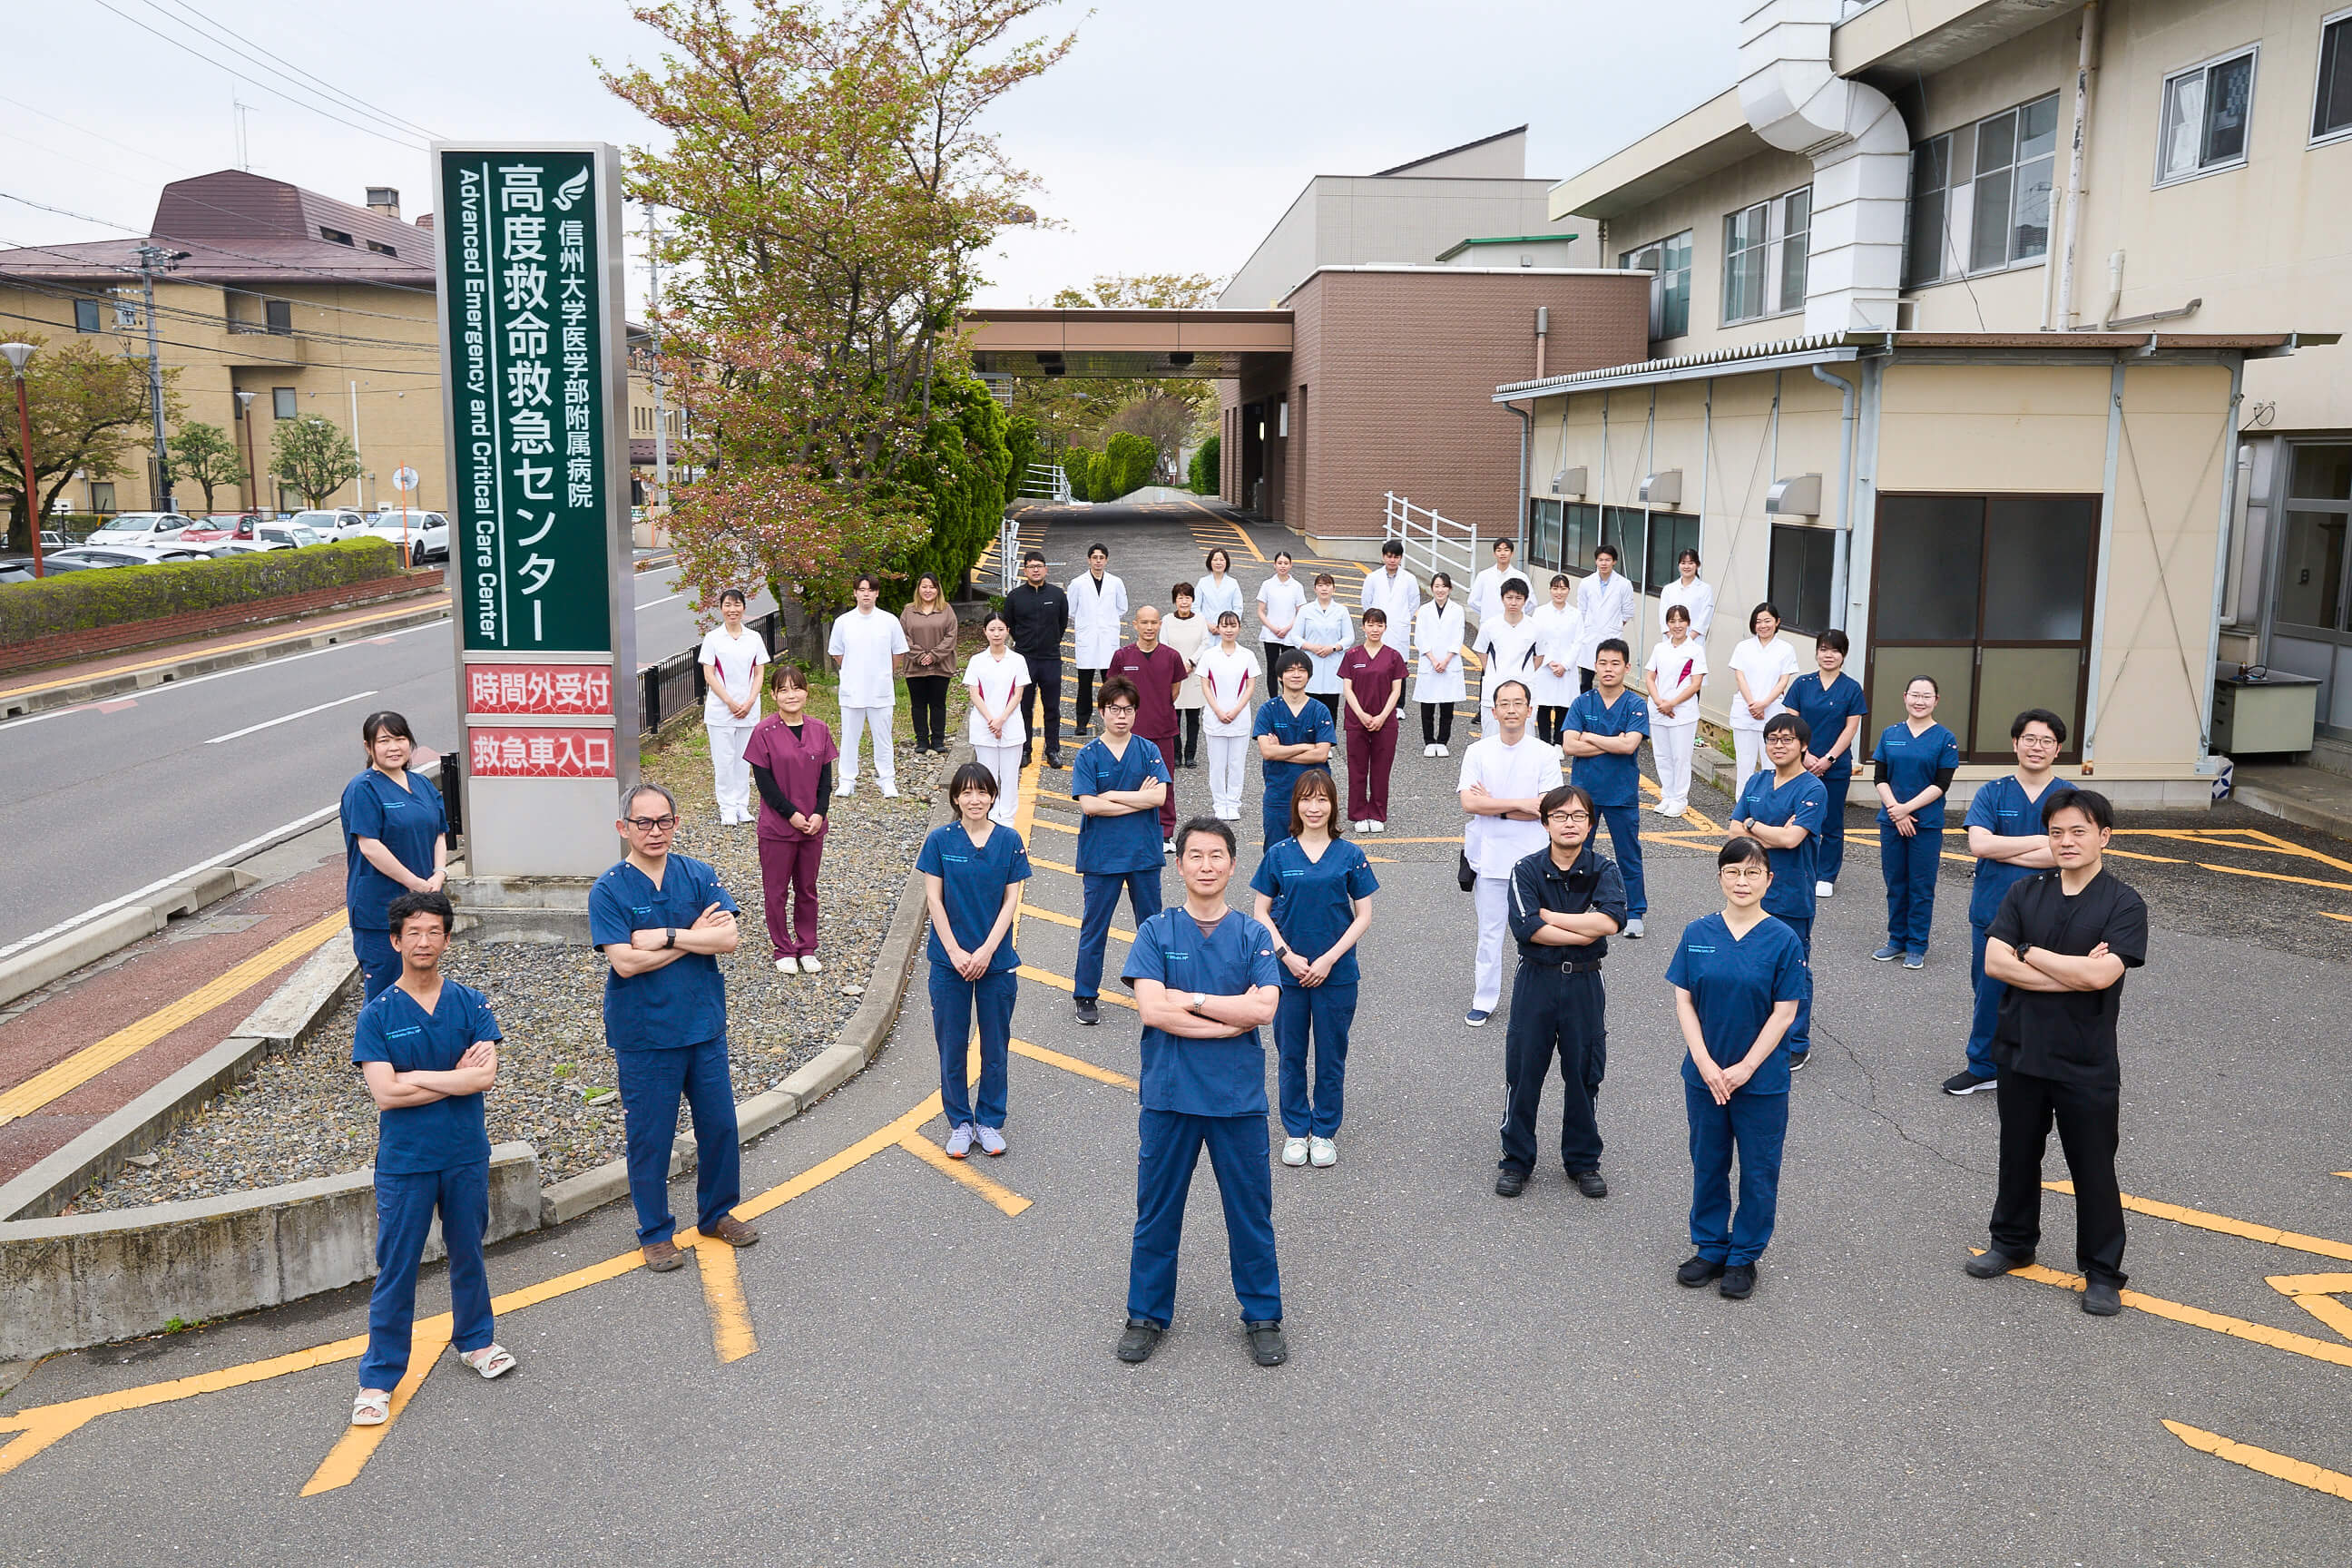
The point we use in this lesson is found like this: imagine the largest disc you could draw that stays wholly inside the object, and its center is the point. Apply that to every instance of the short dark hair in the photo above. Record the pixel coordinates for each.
(1514, 586)
(1763, 607)
(1608, 550)
(1323, 577)
(974, 776)
(1208, 824)
(1290, 659)
(409, 905)
(1687, 554)
(734, 594)
(1612, 645)
(1182, 591)
(1793, 723)
(867, 580)
(383, 721)
(1233, 616)
(1559, 795)
(786, 673)
(1215, 551)
(1682, 610)
(1391, 547)
(1029, 555)
(2039, 716)
(1505, 543)
(1119, 688)
(1437, 577)
(1834, 640)
(1933, 684)
(1097, 548)
(647, 786)
(2089, 802)
(1739, 849)
(1376, 614)
(1497, 695)
(1314, 781)
(1561, 580)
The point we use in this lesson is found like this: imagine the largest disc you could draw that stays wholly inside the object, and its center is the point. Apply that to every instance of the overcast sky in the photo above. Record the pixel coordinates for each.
(1169, 141)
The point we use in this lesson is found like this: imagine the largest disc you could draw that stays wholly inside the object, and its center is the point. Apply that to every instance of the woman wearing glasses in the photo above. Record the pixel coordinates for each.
(395, 841)
(792, 757)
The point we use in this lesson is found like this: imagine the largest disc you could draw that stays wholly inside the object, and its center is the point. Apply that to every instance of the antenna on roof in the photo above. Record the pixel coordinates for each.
(239, 109)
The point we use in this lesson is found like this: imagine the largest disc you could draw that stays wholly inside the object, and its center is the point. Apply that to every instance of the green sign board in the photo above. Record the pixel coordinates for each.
(528, 356)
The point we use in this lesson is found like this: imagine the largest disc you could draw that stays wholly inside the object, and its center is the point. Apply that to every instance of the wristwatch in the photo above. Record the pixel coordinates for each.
(672, 942)
(1200, 1000)
(2023, 948)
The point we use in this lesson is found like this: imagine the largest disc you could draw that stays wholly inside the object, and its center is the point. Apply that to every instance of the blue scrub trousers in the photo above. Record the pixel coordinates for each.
(1986, 1016)
(1625, 845)
(1102, 890)
(953, 1001)
(651, 1084)
(1799, 1036)
(379, 964)
(1831, 859)
(1239, 1153)
(1756, 1125)
(1910, 867)
(1325, 1012)
(1273, 821)
(404, 1205)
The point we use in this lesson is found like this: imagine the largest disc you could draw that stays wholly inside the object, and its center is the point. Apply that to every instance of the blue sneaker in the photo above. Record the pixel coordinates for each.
(1476, 1017)
(1892, 950)
(1914, 961)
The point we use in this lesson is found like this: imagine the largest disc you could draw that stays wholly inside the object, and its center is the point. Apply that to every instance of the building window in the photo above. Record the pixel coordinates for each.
(279, 316)
(1580, 533)
(281, 402)
(1669, 262)
(337, 236)
(2331, 114)
(1764, 257)
(2312, 590)
(1800, 576)
(1627, 527)
(381, 248)
(85, 317)
(2202, 125)
(1543, 535)
(1980, 195)
(102, 495)
(1671, 533)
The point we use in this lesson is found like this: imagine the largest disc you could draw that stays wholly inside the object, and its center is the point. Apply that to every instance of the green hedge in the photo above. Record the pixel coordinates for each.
(1204, 472)
(85, 601)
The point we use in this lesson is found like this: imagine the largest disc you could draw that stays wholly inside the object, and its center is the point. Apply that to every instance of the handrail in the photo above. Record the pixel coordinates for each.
(1433, 541)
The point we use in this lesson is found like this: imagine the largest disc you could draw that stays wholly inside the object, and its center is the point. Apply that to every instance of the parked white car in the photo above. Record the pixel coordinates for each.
(340, 523)
(268, 536)
(86, 556)
(140, 527)
(427, 533)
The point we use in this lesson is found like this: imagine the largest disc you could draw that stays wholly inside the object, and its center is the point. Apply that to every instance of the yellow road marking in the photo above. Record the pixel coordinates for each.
(2274, 876)
(1063, 920)
(2198, 1316)
(1063, 983)
(1056, 827)
(722, 1292)
(350, 624)
(86, 1063)
(931, 1153)
(356, 1446)
(2334, 1483)
(2334, 916)
(1037, 1053)
(2315, 1294)
(1386, 839)
(2320, 1244)
(1062, 866)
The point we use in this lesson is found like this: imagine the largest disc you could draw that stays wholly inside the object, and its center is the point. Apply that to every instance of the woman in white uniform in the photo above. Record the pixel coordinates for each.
(1692, 594)
(1437, 682)
(1280, 598)
(1230, 677)
(1763, 667)
(1190, 636)
(730, 659)
(1217, 591)
(994, 677)
(1324, 631)
(1676, 670)
(1552, 677)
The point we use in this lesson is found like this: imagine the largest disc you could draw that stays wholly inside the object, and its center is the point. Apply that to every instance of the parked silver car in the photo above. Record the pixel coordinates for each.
(140, 527)
(426, 532)
(337, 523)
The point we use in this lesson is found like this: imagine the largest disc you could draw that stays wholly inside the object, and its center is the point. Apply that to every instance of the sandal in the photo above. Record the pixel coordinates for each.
(371, 1408)
(491, 1361)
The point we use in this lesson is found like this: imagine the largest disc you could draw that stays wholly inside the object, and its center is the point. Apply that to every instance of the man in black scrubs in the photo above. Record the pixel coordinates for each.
(2061, 944)
(1037, 614)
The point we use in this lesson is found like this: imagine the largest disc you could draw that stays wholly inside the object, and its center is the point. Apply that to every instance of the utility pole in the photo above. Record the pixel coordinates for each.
(661, 417)
(252, 485)
(153, 258)
(16, 354)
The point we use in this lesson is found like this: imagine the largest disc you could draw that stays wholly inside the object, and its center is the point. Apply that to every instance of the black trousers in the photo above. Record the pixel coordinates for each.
(928, 694)
(1584, 680)
(1436, 723)
(2087, 1117)
(1554, 1013)
(1086, 704)
(1549, 719)
(1045, 685)
(1191, 743)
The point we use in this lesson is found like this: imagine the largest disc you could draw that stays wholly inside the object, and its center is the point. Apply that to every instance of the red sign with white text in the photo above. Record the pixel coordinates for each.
(536, 753)
(539, 690)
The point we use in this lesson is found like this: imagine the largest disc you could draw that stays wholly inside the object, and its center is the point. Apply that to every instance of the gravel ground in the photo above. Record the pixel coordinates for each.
(306, 1114)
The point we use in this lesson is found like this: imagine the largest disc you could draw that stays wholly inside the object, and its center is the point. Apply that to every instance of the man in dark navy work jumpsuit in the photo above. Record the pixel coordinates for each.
(1206, 980)
(1566, 902)
(663, 920)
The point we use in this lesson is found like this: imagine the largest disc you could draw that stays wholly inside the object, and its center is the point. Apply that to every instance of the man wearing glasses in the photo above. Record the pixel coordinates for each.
(663, 920)
(2005, 835)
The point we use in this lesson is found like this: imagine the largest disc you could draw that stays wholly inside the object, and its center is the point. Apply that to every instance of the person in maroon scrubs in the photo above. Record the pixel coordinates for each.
(792, 757)
(1371, 680)
(1158, 671)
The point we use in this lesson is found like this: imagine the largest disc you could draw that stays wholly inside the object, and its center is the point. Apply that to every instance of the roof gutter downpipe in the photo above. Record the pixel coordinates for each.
(2086, 67)
(1526, 430)
(1842, 546)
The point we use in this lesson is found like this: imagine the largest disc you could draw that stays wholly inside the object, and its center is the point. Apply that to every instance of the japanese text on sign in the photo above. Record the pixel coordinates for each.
(536, 753)
(539, 690)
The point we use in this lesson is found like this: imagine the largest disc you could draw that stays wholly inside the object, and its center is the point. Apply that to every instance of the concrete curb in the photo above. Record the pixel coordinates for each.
(35, 967)
(2256, 797)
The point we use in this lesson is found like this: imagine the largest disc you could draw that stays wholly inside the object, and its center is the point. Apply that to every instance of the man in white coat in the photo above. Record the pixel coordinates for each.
(1097, 605)
(1392, 588)
(1487, 588)
(1605, 602)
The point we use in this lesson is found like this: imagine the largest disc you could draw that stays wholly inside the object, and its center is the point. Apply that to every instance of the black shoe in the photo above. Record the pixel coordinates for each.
(1994, 1264)
(1590, 1183)
(1796, 1061)
(2101, 1300)
(1738, 1282)
(1966, 1082)
(1697, 1272)
(1088, 1013)
(1266, 1343)
(1510, 1182)
(1139, 1341)
(1054, 763)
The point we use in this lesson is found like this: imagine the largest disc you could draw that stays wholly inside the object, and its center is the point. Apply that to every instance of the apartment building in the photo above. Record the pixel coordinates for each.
(1999, 335)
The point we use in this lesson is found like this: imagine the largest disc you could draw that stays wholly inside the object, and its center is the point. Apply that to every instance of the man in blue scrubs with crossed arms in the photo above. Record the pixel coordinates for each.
(1294, 733)
(1784, 810)
(1118, 781)
(1206, 980)
(1603, 730)
(663, 920)
(2001, 819)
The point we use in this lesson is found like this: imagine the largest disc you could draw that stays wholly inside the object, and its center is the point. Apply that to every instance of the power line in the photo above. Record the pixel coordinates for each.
(353, 99)
(94, 135)
(182, 312)
(26, 281)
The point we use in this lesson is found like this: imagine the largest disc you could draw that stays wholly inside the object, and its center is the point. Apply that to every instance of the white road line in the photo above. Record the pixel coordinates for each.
(288, 718)
(166, 687)
(649, 604)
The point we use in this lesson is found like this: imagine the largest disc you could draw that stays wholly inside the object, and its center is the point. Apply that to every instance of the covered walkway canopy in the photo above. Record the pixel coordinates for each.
(1214, 345)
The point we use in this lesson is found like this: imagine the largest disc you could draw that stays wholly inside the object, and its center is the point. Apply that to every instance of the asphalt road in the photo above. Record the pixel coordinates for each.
(1473, 1380)
(98, 801)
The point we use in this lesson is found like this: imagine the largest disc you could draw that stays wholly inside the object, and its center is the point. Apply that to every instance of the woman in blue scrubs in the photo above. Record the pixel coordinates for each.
(395, 841)
(972, 870)
(1315, 893)
(1737, 978)
(1916, 761)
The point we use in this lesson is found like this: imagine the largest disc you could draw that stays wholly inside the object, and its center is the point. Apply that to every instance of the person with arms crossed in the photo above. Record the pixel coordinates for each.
(1690, 591)
(930, 623)
(1783, 810)
(868, 647)
(1315, 893)
(395, 841)
(792, 757)
(1373, 686)
(1604, 604)
(1037, 614)
(1392, 590)
(1324, 631)
(1097, 605)
(730, 659)
(1551, 678)
(1205, 980)
(1157, 673)
(1190, 636)
(1676, 673)
(1566, 902)
(1230, 678)
(1832, 706)
(1294, 734)
(663, 920)
(1603, 731)
(1762, 668)
(1119, 782)
(1279, 600)
(1438, 682)
(1738, 979)
(427, 1049)
(1505, 777)
(2000, 821)
(972, 870)
(1915, 761)
(2062, 943)
(998, 681)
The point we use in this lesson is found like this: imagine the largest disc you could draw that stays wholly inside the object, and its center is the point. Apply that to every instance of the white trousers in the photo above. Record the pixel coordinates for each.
(1004, 762)
(1493, 895)
(1228, 765)
(1672, 744)
(731, 776)
(1746, 757)
(854, 722)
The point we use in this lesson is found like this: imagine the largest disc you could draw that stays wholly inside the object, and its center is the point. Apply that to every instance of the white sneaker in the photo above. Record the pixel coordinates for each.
(1429, 748)
(809, 965)
(889, 792)
(991, 1141)
(1322, 1153)
(1380, 827)
(846, 791)
(1294, 1152)
(1443, 751)
(1633, 928)
(1824, 889)
(959, 1141)
(788, 965)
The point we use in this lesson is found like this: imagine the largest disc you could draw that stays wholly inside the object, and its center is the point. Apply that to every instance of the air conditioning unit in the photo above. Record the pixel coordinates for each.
(1664, 488)
(1570, 482)
(1799, 495)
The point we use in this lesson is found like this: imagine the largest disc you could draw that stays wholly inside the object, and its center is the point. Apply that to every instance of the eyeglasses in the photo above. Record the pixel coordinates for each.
(653, 824)
(1572, 818)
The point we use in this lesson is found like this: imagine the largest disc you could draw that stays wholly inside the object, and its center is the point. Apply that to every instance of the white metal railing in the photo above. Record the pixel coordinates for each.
(1008, 554)
(1433, 541)
(1045, 481)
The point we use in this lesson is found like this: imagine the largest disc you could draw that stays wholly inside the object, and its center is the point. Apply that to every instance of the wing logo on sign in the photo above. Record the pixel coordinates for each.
(569, 190)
